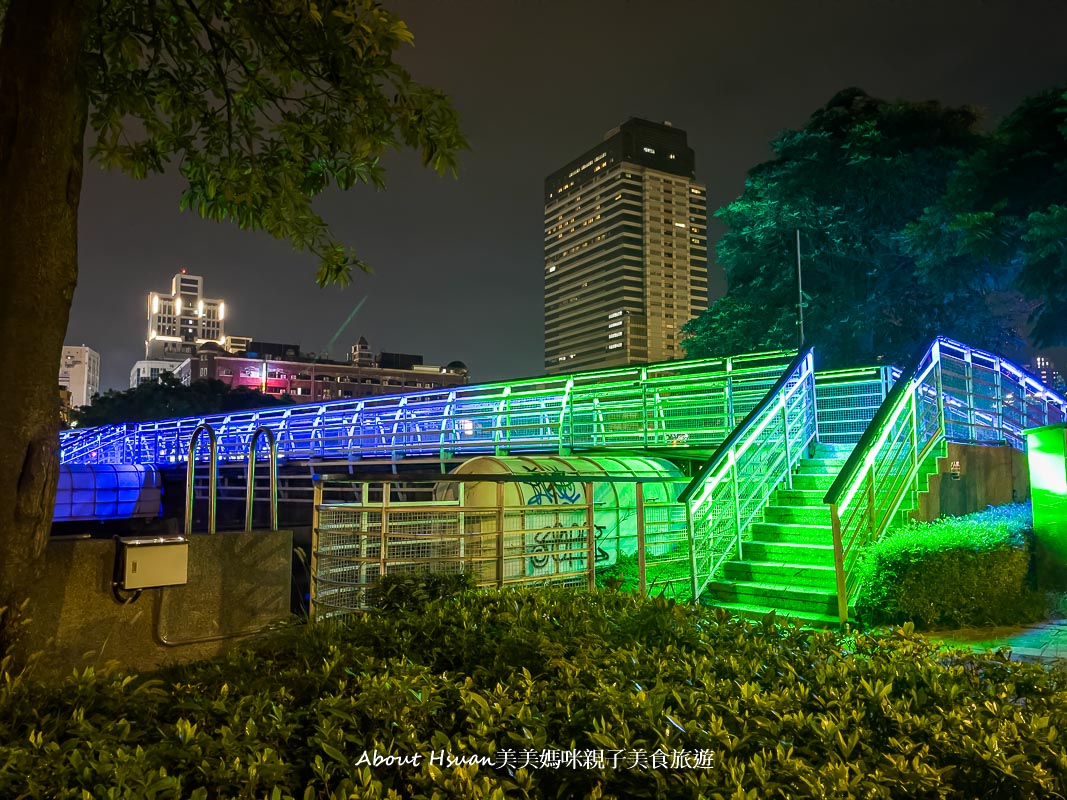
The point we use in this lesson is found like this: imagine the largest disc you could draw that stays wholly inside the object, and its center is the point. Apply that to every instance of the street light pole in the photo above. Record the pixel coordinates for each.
(800, 298)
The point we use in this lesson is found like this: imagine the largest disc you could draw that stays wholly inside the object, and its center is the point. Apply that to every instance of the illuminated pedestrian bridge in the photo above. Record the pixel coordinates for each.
(769, 477)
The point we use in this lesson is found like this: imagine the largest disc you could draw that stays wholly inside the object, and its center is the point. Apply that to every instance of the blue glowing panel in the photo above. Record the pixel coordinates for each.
(107, 491)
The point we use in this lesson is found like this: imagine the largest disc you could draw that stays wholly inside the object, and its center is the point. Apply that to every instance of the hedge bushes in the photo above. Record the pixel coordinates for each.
(755, 710)
(955, 572)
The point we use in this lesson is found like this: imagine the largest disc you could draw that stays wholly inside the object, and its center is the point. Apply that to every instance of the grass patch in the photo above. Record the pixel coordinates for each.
(684, 701)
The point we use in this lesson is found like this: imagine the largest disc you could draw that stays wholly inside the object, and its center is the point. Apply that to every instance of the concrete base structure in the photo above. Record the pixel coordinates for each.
(971, 478)
(238, 585)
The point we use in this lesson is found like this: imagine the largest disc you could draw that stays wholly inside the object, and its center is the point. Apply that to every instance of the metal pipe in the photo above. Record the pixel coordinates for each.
(272, 444)
(213, 474)
(642, 577)
(839, 564)
(590, 540)
(383, 550)
(317, 483)
(500, 534)
(691, 536)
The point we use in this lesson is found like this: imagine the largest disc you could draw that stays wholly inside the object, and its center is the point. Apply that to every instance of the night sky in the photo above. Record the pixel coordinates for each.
(458, 263)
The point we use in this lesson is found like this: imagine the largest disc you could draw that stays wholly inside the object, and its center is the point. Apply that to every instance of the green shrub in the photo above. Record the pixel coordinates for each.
(771, 712)
(660, 571)
(411, 590)
(955, 572)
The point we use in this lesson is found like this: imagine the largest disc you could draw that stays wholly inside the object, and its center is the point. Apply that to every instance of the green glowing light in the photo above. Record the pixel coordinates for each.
(1047, 458)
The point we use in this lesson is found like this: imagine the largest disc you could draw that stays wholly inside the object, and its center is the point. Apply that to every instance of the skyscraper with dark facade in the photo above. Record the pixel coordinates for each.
(626, 250)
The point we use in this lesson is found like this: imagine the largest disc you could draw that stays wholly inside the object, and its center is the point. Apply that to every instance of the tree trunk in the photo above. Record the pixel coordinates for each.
(42, 127)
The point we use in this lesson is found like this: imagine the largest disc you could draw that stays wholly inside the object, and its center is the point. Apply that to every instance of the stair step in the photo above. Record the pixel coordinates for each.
(810, 466)
(791, 532)
(798, 496)
(755, 612)
(805, 515)
(832, 450)
(810, 576)
(770, 595)
(788, 553)
(813, 481)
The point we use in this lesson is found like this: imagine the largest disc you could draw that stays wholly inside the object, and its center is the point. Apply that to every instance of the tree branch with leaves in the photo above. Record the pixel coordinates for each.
(260, 107)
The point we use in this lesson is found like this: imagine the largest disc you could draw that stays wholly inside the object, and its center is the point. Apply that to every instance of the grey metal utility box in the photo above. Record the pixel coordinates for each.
(147, 562)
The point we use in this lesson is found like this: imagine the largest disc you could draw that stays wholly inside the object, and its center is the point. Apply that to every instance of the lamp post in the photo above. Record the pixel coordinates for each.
(800, 298)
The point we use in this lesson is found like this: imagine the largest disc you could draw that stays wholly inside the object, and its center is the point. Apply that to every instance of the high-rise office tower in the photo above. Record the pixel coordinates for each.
(182, 320)
(79, 373)
(626, 250)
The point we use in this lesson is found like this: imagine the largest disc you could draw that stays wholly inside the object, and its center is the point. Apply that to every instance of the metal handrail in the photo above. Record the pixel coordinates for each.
(915, 418)
(542, 415)
(272, 444)
(791, 403)
(213, 478)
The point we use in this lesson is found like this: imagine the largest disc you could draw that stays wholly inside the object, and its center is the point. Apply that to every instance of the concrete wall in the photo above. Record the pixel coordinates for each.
(973, 477)
(237, 583)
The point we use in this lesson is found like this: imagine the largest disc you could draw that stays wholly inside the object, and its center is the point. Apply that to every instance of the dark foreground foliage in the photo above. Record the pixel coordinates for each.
(955, 572)
(398, 591)
(761, 711)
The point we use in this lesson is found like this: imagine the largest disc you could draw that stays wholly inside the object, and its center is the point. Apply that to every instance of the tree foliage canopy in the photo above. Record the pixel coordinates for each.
(261, 107)
(1002, 221)
(850, 181)
(168, 398)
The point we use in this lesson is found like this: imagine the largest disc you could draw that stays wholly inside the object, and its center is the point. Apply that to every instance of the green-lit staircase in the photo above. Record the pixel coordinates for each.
(787, 560)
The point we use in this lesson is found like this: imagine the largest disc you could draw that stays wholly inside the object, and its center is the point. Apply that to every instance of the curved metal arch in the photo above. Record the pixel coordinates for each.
(213, 475)
(272, 444)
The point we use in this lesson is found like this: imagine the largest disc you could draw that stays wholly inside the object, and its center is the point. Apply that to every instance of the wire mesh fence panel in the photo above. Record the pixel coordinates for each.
(668, 565)
(847, 402)
(377, 530)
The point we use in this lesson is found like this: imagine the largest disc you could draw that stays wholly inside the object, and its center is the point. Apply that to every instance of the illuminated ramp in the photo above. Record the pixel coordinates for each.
(678, 404)
(789, 539)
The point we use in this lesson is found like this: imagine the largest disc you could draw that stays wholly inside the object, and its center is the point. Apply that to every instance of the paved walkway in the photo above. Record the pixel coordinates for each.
(1042, 641)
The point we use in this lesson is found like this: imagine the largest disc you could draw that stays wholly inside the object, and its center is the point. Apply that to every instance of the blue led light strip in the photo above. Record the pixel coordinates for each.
(677, 403)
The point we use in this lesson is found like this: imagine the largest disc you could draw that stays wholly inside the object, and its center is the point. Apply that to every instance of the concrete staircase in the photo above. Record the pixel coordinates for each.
(787, 560)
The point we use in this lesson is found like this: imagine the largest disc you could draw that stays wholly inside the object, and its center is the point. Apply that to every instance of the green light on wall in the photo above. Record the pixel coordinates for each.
(1046, 453)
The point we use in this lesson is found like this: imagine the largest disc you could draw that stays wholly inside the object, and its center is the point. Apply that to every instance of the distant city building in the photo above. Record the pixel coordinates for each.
(149, 371)
(279, 369)
(1045, 369)
(65, 408)
(236, 344)
(182, 320)
(625, 250)
(79, 373)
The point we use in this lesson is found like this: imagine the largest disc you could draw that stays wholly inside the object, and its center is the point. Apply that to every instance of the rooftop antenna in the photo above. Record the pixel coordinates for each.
(359, 305)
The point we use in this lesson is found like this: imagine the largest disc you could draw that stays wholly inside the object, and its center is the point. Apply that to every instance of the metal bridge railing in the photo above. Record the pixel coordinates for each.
(734, 487)
(362, 530)
(952, 392)
(659, 405)
(848, 399)
(96, 445)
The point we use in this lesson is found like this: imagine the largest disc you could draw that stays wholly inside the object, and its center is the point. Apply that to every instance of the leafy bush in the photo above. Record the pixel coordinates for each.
(624, 574)
(955, 572)
(412, 590)
(759, 711)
